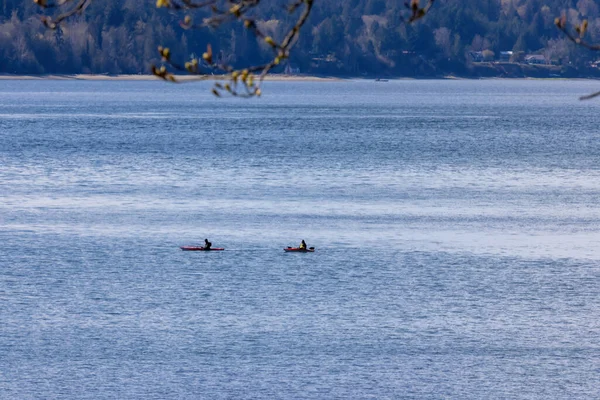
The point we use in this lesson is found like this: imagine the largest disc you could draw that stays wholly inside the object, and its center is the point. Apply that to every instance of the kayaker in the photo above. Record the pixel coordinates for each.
(207, 244)
(303, 245)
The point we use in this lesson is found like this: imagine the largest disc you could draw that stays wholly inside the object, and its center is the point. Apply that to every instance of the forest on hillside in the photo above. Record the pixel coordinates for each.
(342, 38)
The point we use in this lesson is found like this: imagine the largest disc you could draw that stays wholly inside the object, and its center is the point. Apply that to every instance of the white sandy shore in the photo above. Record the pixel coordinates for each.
(153, 78)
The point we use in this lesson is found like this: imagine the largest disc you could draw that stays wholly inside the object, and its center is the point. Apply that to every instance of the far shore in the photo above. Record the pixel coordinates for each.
(103, 77)
(270, 77)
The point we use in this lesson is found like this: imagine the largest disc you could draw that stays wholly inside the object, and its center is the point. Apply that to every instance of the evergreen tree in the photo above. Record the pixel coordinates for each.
(365, 36)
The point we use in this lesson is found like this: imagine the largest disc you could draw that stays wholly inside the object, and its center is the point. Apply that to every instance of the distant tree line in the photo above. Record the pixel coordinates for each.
(344, 38)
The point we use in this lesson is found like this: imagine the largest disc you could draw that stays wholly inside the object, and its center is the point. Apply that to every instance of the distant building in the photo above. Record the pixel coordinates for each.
(536, 59)
(328, 58)
(505, 56)
(476, 56)
(325, 61)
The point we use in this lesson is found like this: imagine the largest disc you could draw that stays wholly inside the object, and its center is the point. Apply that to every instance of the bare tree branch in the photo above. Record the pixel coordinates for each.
(577, 38)
(242, 82)
(417, 12)
(589, 96)
(53, 23)
(580, 30)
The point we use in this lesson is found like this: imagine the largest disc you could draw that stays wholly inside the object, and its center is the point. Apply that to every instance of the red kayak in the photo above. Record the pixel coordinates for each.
(299, 250)
(194, 248)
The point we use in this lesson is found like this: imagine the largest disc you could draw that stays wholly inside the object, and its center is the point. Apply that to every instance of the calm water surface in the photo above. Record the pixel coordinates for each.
(456, 223)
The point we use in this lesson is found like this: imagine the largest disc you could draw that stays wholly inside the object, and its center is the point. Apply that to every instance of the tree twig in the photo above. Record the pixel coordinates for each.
(243, 82)
(577, 38)
(53, 23)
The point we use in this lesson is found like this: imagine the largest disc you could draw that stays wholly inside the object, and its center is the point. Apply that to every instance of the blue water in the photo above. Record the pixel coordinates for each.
(456, 223)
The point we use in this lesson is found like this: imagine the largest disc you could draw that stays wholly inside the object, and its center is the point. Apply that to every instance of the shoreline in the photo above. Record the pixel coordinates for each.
(183, 78)
(268, 78)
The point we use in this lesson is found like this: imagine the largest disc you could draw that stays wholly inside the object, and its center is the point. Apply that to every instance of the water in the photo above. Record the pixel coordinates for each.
(456, 224)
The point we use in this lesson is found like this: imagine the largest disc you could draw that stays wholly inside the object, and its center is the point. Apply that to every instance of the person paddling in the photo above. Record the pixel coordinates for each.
(303, 245)
(207, 244)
